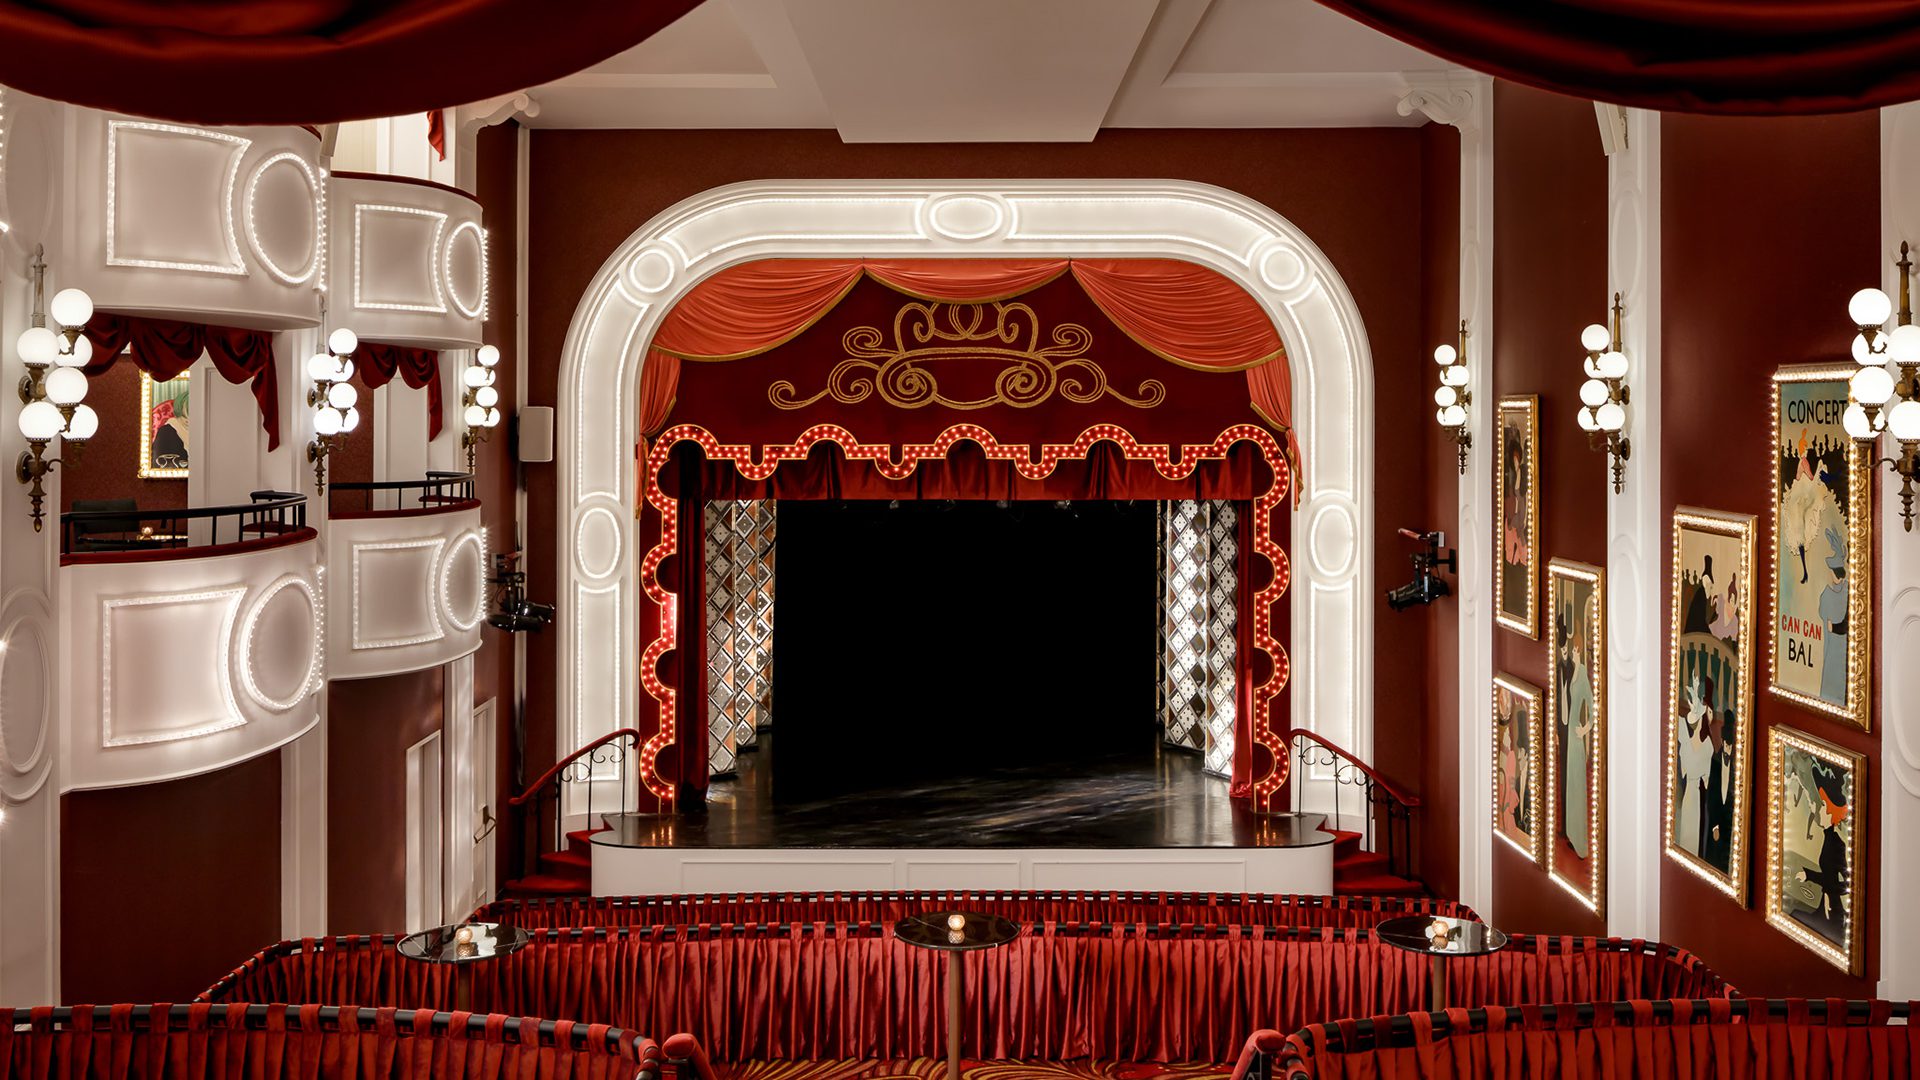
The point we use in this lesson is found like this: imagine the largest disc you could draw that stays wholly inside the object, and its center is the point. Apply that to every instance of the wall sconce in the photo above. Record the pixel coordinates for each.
(332, 400)
(54, 386)
(481, 400)
(1875, 401)
(1453, 397)
(1604, 396)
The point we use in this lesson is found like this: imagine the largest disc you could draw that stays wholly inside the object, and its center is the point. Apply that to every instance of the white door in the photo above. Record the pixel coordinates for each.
(470, 833)
(426, 822)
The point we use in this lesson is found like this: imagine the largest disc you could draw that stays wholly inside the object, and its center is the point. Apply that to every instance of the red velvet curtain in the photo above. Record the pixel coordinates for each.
(163, 348)
(418, 368)
(839, 990)
(211, 1044)
(1772, 58)
(307, 61)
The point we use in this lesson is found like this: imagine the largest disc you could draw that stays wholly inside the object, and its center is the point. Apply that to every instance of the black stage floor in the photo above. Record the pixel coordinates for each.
(1164, 801)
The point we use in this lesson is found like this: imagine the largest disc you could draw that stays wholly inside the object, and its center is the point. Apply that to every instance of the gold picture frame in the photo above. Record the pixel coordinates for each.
(1575, 842)
(1801, 881)
(1516, 602)
(1709, 721)
(166, 463)
(1822, 491)
(1516, 809)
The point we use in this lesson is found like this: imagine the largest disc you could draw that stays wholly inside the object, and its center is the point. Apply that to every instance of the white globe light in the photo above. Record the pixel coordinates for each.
(1904, 421)
(1904, 344)
(1872, 386)
(66, 386)
(343, 341)
(1595, 338)
(475, 416)
(80, 354)
(1863, 353)
(1455, 376)
(38, 346)
(1440, 416)
(1446, 396)
(1587, 422)
(488, 356)
(476, 376)
(327, 421)
(486, 396)
(344, 371)
(1445, 355)
(493, 418)
(350, 420)
(1610, 417)
(1869, 307)
(1591, 366)
(83, 425)
(71, 307)
(1593, 393)
(1856, 422)
(321, 366)
(40, 421)
(1456, 416)
(342, 395)
(1612, 365)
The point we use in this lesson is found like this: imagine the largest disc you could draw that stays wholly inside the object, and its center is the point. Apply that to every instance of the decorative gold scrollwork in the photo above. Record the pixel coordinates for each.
(930, 333)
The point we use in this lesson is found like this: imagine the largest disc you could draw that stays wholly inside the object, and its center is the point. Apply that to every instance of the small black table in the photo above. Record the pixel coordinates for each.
(463, 945)
(1420, 934)
(955, 932)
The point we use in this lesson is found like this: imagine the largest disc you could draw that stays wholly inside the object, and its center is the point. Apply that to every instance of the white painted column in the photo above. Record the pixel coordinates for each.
(303, 762)
(1898, 597)
(1636, 615)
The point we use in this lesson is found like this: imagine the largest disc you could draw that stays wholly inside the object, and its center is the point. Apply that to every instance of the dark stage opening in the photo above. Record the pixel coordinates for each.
(927, 641)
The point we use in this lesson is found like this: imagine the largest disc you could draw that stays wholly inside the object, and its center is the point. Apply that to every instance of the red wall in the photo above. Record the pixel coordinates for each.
(1359, 193)
(370, 725)
(105, 467)
(1752, 282)
(166, 887)
(1549, 280)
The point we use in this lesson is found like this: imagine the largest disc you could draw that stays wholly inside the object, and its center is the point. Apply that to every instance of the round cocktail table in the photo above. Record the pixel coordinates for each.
(955, 932)
(1442, 938)
(462, 945)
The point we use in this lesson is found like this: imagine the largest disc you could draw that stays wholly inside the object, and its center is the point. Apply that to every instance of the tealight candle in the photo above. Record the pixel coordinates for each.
(956, 921)
(464, 935)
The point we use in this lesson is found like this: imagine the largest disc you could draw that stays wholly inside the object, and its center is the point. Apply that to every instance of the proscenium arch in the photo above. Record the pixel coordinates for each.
(1326, 344)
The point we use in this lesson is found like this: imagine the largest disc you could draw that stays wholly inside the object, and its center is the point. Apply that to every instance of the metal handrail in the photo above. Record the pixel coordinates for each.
(269, 514)
(1378, 796)
(611, 749)
(436, 488)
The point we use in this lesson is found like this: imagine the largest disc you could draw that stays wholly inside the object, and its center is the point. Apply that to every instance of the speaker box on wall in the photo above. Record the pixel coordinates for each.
(534, 441)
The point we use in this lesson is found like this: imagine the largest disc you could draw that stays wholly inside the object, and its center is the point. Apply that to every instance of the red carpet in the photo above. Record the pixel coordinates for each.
(936, 1069)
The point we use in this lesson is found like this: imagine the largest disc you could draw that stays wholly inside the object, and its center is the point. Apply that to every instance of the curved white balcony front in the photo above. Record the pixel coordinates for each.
(408, 261)
(407, 588)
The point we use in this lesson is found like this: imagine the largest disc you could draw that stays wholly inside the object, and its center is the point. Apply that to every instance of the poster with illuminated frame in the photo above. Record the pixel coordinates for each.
(1517, 726)
(1576, 757)
(1516, 537)
(1822, 554)
(1709, 722)
(1815, 792)
(163, 427)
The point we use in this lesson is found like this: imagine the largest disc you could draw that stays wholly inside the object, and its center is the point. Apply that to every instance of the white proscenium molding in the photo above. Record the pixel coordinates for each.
(1333, 597)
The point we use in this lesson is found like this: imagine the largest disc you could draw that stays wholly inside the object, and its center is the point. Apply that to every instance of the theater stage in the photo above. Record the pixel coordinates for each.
(1152, 823)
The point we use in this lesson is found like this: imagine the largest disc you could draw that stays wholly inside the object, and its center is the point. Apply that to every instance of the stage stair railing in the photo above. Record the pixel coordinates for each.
(544, 812)
(1375, 813)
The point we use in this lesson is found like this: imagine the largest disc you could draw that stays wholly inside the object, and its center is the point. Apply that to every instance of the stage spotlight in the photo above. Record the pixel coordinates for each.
(1426, 586)
(513, 612)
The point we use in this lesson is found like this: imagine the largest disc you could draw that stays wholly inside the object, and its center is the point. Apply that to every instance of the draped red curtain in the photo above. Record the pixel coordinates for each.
(418, 368)
(163, 348)
(1777, 58)
(841, 990)
(1182, 312)
(282, 61)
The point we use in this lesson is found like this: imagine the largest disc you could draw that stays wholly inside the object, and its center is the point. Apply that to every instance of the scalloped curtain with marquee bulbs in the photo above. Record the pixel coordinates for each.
(1090, 378)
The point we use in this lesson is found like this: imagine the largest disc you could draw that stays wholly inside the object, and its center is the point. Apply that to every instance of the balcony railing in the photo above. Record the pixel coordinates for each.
(438, 491)
(270, 516)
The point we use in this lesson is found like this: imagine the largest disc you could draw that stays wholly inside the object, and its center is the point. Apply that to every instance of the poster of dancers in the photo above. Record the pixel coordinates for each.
(1576, 788)
(1813, 893)
(1517, 537)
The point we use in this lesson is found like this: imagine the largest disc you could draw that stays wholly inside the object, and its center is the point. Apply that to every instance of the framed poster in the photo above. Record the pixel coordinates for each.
(1822, 547)
(163, 427)
(1517, 540)
(1516, 764)
(1813, 874)
(1710, 697)
(1576, 720)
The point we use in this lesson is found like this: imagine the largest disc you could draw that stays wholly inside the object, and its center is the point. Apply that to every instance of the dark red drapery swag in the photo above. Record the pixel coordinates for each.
(281, 61)
(1732, 57)
(163, 348)
(418, 368)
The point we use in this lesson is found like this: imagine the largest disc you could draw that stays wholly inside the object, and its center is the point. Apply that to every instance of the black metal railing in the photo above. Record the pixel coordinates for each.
(268, 515)
(377, 496)
(542, 805)
(1363, 801)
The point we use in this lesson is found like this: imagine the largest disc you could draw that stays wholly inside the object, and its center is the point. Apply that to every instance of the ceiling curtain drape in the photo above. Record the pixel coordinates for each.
(1732, 57)
(1184, 313)
(282, 61)
(418, 368)
(163, 348)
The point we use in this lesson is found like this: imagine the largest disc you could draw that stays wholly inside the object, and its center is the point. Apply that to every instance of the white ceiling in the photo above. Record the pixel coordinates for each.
(996, 70)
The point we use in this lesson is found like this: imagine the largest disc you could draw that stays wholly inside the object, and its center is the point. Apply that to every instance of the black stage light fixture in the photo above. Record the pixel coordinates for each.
(513, 612)
(1426, 586)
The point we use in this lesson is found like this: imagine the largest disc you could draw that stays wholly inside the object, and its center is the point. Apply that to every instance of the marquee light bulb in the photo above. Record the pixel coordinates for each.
(343, 341)
(1869, 307)
(38, 346)
(79, 354)
(1872, 386)
(84, 424)
(1445, 355)
(66, 386)
(487, 356)
(71, 307)
(1595, 338)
